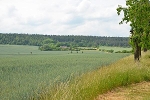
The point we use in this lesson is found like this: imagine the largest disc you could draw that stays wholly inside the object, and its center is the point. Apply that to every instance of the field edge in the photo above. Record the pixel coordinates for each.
(88, 86)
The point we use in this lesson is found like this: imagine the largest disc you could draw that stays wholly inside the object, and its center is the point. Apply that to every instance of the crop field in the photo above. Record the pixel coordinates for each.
(115, 48)
(24, 74)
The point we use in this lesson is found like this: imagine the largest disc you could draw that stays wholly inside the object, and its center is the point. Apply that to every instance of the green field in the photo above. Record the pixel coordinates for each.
(23, 74)
(115, 48)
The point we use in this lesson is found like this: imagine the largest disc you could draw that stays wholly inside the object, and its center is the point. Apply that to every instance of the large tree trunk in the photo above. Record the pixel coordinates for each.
(137, 52)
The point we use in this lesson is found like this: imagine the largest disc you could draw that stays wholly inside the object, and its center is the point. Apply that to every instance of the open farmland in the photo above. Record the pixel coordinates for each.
(23, 74)
(115, 48)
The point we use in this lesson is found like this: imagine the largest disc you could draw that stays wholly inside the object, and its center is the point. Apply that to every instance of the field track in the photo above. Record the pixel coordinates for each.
(139, 91)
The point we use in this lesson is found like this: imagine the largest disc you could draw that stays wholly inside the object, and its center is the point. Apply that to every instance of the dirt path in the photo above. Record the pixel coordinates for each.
(139, 91)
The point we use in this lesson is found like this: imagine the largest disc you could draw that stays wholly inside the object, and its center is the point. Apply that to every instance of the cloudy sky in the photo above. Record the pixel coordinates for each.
(62, 17)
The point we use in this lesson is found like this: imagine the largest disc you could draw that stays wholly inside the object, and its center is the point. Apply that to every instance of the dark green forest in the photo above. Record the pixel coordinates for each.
(56, 41)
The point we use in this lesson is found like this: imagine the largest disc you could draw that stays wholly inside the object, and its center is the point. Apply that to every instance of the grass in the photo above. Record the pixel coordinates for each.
(17, 49)
(115, 48)
(24, 75)
(89, 85)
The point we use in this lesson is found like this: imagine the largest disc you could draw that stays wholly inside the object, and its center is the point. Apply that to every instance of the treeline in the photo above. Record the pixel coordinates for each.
(63, 40)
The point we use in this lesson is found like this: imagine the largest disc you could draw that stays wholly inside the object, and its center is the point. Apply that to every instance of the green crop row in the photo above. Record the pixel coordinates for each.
(24, 75)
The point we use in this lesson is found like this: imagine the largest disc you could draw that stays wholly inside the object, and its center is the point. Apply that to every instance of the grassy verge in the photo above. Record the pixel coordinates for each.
(90, 85)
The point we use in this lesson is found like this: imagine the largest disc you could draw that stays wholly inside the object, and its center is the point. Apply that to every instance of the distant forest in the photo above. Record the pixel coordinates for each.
(62, 40)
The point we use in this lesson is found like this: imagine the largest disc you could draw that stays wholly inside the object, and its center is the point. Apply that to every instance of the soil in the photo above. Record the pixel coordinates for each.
(139, 91)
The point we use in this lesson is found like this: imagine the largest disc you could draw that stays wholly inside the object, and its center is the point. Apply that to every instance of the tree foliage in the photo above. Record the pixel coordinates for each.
(71, 41)
(137, 13)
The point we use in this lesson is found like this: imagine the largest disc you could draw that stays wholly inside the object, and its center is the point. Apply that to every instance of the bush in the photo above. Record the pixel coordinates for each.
(109, 51)
(124, 51)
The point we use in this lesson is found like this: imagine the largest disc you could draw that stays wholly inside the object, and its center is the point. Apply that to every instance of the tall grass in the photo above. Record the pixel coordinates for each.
(88, 86)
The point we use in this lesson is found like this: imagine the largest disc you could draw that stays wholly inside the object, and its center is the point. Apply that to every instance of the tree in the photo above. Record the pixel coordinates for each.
(137, 12)
(48, 41)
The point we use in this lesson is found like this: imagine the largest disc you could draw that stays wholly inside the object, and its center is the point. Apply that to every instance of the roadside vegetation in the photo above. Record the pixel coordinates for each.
(89, 85)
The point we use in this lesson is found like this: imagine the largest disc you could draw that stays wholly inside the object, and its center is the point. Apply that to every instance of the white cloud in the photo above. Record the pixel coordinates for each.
(67, 17)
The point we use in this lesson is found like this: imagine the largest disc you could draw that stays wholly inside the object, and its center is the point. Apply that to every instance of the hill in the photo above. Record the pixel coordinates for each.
(63, 40)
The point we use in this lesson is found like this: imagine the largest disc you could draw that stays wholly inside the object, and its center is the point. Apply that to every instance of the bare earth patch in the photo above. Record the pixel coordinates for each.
(139, 91)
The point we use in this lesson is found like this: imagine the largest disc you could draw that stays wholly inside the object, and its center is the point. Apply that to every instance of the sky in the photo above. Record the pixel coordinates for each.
(62, 17)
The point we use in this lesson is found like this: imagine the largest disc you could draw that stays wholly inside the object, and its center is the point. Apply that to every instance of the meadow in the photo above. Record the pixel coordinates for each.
(24, 74)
